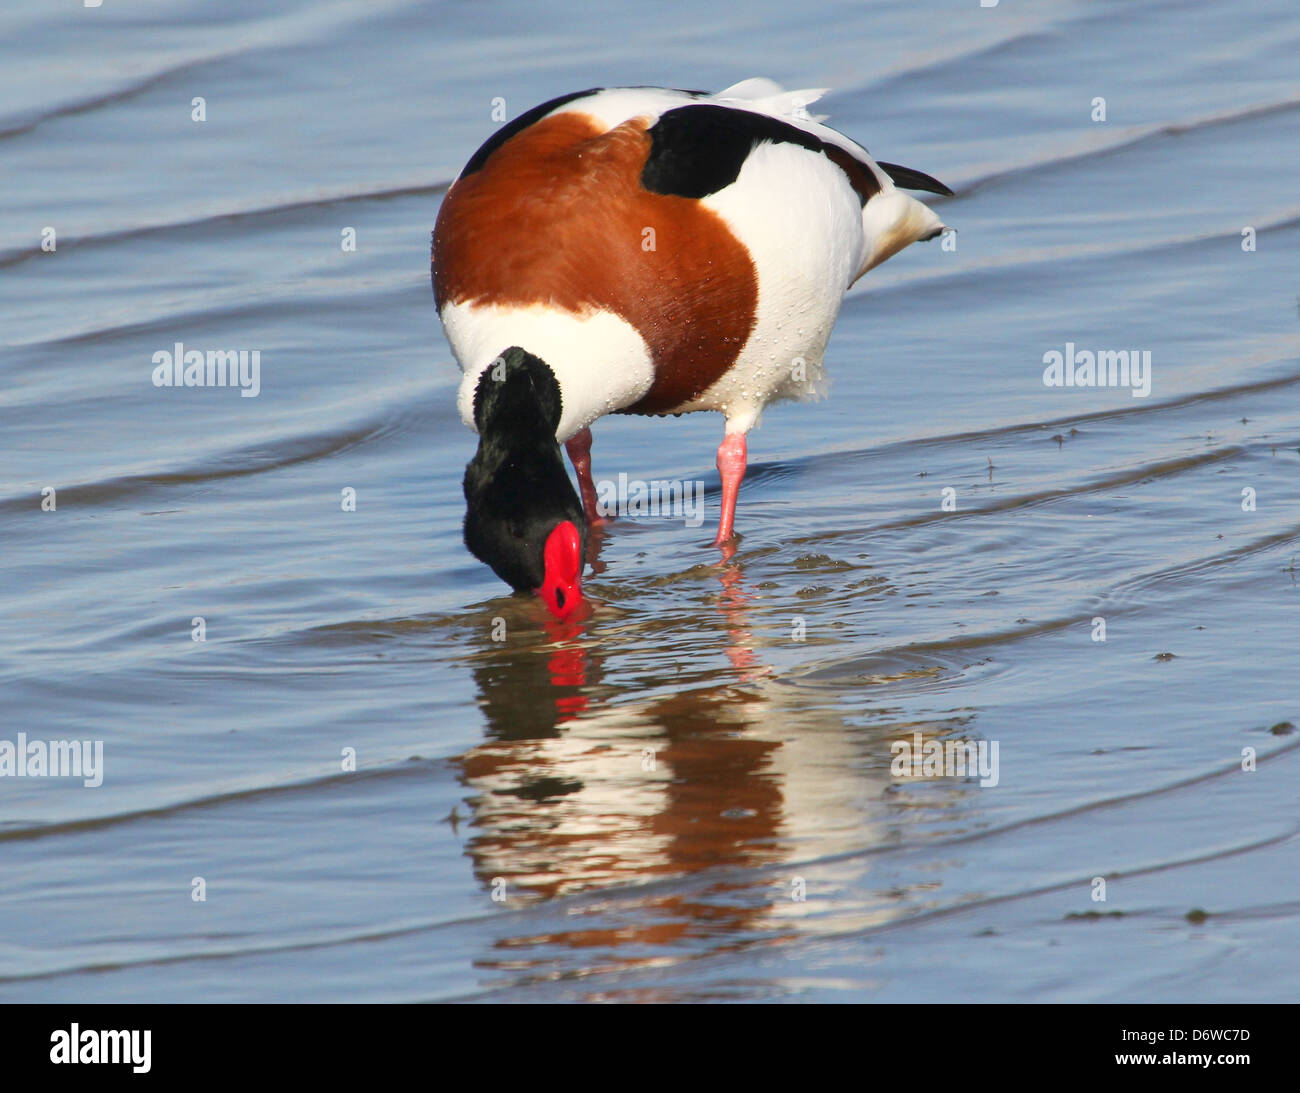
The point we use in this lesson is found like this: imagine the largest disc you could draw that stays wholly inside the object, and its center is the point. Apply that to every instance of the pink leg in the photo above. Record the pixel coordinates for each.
(731, 465)
(579, 448)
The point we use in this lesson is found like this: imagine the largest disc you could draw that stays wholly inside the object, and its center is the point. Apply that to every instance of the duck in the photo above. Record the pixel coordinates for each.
(645, 250)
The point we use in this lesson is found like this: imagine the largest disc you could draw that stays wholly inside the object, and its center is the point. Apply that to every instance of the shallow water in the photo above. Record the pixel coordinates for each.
(650, 789)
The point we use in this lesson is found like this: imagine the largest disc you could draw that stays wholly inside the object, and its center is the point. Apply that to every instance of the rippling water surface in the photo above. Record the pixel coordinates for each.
(649, 792)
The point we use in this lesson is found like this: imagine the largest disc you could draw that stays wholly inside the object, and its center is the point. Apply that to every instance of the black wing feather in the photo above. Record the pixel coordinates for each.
(910, 179)
(699, 149)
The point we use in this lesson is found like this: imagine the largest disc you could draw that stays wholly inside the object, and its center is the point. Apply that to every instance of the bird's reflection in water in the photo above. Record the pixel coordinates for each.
(567, 668)
(575, 786)
(732, 602)
(578, 786)
(564, 802)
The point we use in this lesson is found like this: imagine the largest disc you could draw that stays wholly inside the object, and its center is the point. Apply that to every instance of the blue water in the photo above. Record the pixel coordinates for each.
(649, 792)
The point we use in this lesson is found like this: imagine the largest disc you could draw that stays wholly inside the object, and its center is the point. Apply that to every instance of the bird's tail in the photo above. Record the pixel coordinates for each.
(892, 220)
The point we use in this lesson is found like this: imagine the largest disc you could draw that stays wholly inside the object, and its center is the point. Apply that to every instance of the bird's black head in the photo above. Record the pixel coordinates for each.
(524, 518)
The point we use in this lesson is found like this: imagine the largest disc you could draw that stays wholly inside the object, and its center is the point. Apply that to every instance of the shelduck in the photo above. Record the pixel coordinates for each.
(644, 250)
